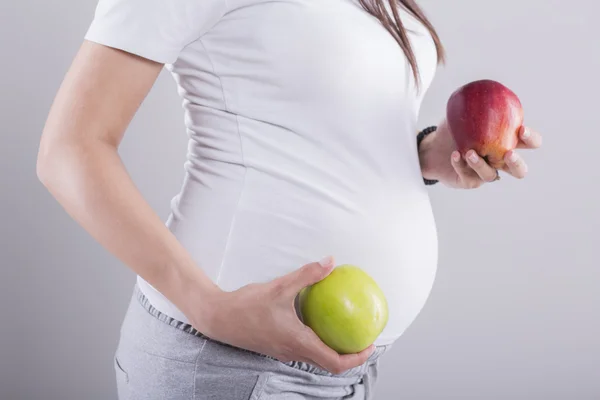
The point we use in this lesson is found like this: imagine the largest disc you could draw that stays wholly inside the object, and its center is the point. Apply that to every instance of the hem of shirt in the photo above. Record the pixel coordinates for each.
(159, 301)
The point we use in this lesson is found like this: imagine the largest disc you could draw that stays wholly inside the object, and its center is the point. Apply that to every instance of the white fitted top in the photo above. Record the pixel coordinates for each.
(302, 139)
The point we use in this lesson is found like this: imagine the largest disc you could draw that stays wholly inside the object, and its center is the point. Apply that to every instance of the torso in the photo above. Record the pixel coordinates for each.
(302, 117)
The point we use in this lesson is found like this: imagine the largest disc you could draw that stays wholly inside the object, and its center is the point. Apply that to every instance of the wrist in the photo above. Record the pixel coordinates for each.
(427, 156)
(195, 294)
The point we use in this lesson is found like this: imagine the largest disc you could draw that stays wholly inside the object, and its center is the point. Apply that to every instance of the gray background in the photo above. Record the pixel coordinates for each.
(515, 310)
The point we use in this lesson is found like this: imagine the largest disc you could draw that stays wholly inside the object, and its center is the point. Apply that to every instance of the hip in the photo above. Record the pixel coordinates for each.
(160, 357)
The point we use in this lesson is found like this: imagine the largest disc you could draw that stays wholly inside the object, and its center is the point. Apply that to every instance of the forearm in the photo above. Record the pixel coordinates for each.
(90, 181)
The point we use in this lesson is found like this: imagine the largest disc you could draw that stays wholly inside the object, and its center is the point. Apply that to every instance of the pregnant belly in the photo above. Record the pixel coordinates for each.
(393, 238)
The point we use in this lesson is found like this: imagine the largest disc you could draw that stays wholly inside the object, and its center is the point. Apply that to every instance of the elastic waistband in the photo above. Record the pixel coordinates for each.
(300, 365)
(145, 302)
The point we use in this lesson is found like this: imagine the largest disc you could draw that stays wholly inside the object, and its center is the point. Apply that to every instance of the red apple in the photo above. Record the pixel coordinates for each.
(485, 116)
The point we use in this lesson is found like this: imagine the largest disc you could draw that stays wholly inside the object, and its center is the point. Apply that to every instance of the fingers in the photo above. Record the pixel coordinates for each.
(472, 170)
(515, 165)
(307, 275)
(466, 176)
(485, 172)
(530, 139)
(325, 357)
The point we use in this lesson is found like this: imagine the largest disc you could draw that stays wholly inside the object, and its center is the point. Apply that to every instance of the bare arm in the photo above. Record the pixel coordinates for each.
(79, 164)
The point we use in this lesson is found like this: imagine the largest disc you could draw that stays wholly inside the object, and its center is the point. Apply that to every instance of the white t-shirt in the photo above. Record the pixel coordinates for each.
(302, 118)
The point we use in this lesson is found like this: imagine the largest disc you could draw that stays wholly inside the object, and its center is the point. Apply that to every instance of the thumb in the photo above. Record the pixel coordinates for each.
(308, 274)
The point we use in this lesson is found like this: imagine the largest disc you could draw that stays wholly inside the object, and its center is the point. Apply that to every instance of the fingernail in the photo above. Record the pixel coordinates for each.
(513, 157)
(526, 133)
(456, 156)
(326, 261)
(473, 157)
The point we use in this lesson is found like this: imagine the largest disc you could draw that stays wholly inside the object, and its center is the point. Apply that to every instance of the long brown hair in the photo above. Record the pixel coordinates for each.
(394, 25)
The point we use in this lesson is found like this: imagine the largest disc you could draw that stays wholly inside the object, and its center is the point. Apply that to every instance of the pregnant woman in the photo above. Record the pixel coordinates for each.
(303, 154)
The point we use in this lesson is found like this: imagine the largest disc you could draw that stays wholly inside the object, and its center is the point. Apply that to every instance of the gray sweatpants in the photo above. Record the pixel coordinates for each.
(160, 358)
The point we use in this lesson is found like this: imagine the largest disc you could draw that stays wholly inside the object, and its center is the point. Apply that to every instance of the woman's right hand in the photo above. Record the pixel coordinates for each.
(262, 318)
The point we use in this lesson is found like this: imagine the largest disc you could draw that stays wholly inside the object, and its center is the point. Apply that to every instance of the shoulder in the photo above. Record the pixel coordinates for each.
(154, 29)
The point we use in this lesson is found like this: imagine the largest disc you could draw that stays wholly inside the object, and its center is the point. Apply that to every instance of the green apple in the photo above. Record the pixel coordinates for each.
(347, 309)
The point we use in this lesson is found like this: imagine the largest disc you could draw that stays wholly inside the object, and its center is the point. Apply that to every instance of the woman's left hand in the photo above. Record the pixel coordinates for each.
(441, 161)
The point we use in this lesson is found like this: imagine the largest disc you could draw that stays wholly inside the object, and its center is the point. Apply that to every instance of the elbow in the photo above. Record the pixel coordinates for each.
(51, 159)
(44, 164)
(64, 162)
